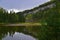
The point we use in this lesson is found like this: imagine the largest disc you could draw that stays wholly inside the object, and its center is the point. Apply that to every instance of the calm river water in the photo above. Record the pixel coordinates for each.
(29, 33)
(15, 33)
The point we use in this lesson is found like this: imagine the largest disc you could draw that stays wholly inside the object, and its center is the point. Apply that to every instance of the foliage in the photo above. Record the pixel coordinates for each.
(11, 17)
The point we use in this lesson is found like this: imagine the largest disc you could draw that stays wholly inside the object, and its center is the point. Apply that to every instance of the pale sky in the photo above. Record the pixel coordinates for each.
(21, 4)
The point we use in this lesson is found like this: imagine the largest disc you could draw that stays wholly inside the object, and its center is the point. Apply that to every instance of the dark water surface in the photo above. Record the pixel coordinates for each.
(15, 33)
(29, 33)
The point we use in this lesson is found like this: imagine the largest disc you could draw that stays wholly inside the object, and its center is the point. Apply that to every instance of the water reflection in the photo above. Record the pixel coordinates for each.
(18, 36)
(14, 33)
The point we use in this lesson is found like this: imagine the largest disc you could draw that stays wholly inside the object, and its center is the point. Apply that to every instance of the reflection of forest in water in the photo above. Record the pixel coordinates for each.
(4, 31)
(39, 32)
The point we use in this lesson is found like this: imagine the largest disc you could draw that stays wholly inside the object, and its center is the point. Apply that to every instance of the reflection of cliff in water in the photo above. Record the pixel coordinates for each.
(11, 30)
(18, 36)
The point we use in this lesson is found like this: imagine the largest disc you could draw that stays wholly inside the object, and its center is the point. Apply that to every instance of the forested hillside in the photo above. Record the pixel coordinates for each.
(45, 13)
(36, 14)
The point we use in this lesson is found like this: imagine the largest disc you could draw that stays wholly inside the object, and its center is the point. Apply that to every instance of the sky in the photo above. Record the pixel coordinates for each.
(21, 4)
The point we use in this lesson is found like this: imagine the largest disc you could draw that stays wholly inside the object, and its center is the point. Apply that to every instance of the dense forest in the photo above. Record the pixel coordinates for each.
(11, 17)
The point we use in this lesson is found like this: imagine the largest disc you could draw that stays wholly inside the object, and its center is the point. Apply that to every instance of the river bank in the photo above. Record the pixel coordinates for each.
(20, 24)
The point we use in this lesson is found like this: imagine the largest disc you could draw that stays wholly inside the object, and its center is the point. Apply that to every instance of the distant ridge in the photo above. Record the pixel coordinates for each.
(41, 7)
(18, 10)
